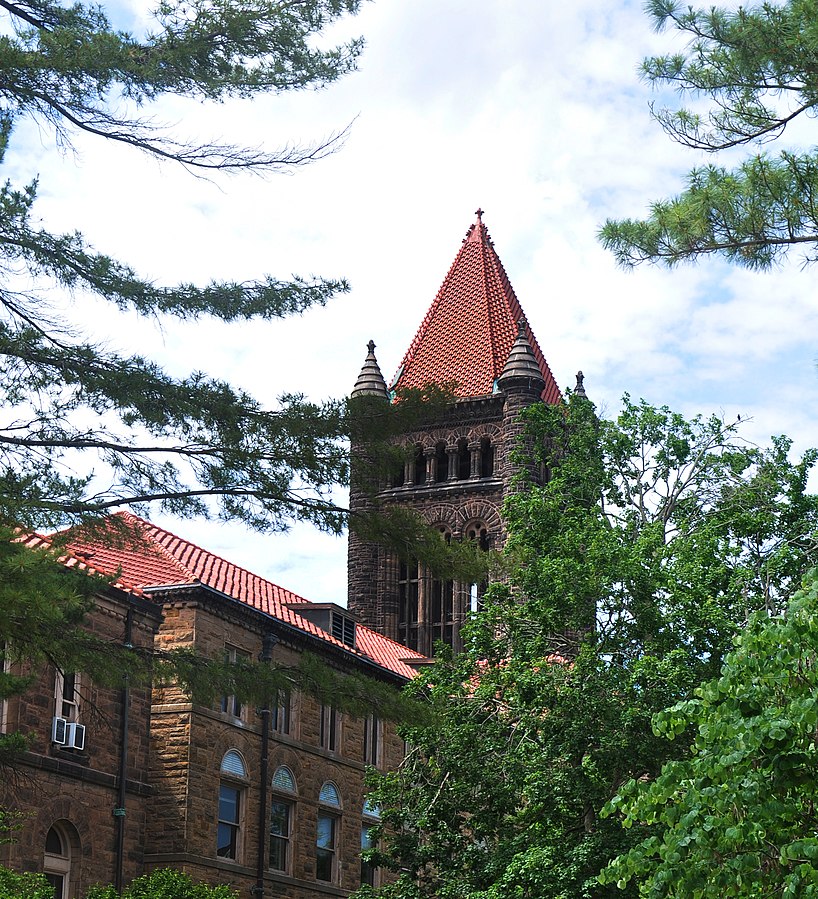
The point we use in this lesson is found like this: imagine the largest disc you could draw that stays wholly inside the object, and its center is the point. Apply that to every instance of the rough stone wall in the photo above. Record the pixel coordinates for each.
(52, 784)
(186, 776)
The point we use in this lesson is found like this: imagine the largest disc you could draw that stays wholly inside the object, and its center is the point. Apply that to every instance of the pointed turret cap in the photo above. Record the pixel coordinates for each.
(370, 381)
(521, 369)
(467, 334)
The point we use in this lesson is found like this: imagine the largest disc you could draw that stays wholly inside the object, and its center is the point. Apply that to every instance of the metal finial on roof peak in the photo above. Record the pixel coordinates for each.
(370, 381)
(579, 390)
(521, 331)
(479, 213)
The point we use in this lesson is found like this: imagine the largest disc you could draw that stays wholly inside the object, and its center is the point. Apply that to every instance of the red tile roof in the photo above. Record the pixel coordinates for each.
(468, 331)
(165, 560)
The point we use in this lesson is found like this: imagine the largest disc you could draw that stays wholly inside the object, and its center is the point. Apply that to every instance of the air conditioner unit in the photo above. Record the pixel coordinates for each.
(59, 731)
(75, 735)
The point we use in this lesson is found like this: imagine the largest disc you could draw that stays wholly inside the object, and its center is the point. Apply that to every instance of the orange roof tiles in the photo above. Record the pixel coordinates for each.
(466, 335)
(165, 560)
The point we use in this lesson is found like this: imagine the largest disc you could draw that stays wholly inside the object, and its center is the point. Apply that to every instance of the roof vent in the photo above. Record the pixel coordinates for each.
(334, 619)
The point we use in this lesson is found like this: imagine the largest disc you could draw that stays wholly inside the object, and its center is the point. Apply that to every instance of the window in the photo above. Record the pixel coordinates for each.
(231, 705)
(408, 590)
(281, 820)
(486, 458)
(419, 467)
(67, 695)
(228, 831)
(441, 463)
(329, 728)
(478, 532)
(57, 861)
(326, 843)
(281, 711)
(371, 818)
(463, 459)
(372, 740)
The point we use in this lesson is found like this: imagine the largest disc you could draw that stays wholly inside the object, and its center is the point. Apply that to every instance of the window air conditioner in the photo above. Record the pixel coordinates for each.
(59, 727)
(75, 736)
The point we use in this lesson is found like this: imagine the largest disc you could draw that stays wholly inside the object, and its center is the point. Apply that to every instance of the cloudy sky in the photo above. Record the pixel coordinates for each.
(532, 110)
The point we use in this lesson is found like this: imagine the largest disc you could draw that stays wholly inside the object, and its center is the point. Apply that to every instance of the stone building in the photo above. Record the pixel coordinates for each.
(116, 782)
(474, 340)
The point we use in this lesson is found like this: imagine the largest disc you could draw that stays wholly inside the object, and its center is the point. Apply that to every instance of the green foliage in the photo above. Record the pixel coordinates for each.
(164, 883)
(754, 66)
(738, 816)
(86, 429)
(631, 568)
(24, 886)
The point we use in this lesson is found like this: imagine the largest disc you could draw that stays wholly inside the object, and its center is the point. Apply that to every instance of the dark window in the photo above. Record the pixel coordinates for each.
(280, 823)
(372, 740)
(328, 728)
(227, 839)
(408, 584)
(231, 704)
(486, 458)
(343, 628)
(463, 460)
(367, 868)
(57, 861)
(420, 466)
(478, 532)
(281, 712)
(442, 612)
(325, 848)
(441, 462)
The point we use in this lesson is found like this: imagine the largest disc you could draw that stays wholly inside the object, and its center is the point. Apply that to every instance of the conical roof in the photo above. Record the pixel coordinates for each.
(467, 334)
(370, 381)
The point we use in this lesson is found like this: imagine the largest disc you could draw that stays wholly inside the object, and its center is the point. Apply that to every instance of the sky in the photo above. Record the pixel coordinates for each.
(532, 111)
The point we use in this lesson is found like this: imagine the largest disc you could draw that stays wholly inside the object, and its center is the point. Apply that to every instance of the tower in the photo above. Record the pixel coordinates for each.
(475, 340)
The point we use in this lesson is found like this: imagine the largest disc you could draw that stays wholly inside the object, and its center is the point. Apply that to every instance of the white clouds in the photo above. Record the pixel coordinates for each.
(533, 111)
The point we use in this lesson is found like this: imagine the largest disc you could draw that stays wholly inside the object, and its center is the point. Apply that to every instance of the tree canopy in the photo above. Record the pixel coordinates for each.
(737, 817)
(631, 567)
(84, 428)
(750, 73)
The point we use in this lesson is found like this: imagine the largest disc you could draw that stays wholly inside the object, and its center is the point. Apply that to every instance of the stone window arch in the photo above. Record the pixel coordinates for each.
(61, 845)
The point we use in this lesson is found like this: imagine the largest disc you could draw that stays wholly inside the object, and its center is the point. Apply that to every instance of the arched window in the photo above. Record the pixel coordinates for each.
(478, 532)
(408, 591)
(231, 802)
(281, 820)
(441, 608)
(463, 459)
(441, 462)
(486, 458)
(420, 467)
(370, 818)
(57, 860)
(328, 828)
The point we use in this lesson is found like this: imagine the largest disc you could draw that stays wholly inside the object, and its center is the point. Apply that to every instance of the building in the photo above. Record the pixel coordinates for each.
(458, 469)
(119, 782)
(272, 801)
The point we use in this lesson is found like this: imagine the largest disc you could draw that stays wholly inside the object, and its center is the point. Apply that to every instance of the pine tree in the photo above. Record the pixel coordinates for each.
(755, 68)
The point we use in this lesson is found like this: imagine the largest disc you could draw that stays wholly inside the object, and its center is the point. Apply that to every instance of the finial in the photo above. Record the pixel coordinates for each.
(521, 327)
(579, 390)
(479, 214)
(371, 347)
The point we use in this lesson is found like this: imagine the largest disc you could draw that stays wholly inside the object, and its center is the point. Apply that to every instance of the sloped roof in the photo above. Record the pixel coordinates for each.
(467, 334)
(166, 560)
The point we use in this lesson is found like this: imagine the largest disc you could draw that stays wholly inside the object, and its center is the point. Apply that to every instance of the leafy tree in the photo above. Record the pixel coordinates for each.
(630, 568)
(26, 885)
(192, 445)
(164, 883)
(754, 66)
(737, 817)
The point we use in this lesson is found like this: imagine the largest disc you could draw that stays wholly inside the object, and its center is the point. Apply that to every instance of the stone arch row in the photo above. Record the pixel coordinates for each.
(446, 455)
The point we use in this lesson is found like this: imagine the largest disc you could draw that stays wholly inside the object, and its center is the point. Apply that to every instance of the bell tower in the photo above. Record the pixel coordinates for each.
(475, 340)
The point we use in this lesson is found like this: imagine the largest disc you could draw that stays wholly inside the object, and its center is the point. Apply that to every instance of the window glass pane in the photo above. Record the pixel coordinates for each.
(229, 805)
(325, 848)
(227, 841)
(57, 881)
(326, 832)
(279, 835)
(283, 780)
(329, 794)
(232, 763)
(53, 843)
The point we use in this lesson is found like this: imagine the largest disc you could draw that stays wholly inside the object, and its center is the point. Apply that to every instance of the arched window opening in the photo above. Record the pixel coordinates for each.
(397, 471)
(326, 843)
(479, 534)
(57, 861)
(442, 611)
(441, 463)
(486, 458)
(408, 589)
(420, 467)
(281, 821)
(463, 460)
(370, 819)
(231, 806)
